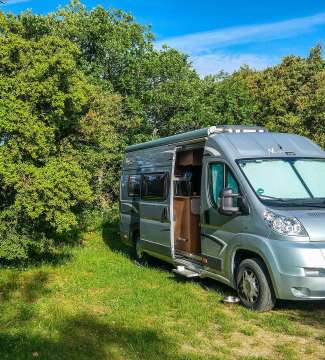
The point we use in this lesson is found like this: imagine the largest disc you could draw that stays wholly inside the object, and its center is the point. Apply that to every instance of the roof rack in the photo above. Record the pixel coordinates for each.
(238, 129)
(197, 135)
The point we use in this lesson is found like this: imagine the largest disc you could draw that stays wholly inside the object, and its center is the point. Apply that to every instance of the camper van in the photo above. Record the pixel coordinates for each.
(237, 204)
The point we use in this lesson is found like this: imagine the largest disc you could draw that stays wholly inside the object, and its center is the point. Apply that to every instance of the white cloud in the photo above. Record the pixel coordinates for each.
(213, 63)
(208, 50)
(197, 43)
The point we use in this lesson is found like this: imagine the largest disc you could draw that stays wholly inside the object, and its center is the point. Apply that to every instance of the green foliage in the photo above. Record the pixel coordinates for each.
(57, 136)
(289, 96)
(77, 86)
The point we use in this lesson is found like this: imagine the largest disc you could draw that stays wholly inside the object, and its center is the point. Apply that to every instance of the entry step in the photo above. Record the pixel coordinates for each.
(181, 270)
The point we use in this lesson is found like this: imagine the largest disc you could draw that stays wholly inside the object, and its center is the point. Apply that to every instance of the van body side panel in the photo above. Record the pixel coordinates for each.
(155, 228)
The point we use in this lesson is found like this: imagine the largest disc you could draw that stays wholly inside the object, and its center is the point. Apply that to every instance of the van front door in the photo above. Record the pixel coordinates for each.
(216, 229)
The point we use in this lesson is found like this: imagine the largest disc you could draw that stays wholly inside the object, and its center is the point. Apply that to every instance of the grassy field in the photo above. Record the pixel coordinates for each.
(96, 303)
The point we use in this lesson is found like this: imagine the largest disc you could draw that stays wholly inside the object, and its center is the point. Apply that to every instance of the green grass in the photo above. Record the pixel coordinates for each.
(97, 303)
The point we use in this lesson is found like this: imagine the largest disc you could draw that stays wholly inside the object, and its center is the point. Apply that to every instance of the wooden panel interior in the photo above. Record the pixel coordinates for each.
(187, 190)
(190, 157)
(187, 224)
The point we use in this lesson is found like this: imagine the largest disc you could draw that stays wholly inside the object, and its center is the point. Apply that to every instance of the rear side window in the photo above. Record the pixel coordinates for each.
(154, 187)
(134, 184)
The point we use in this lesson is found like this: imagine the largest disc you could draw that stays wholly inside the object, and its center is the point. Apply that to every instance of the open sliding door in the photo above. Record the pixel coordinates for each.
(156, 204)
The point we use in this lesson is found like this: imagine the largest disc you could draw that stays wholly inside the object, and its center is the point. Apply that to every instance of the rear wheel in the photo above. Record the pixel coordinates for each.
(254, 287)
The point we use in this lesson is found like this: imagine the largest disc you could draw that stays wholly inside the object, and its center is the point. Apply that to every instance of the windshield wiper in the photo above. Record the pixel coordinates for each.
(293, 203)
(312, 205)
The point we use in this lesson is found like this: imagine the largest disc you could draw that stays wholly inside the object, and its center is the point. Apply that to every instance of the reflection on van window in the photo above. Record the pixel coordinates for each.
(154, 187)
(134, 185)
(280, 179)
(313, 174)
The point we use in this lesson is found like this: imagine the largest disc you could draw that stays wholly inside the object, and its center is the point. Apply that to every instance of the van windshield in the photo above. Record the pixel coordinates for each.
(294, 181)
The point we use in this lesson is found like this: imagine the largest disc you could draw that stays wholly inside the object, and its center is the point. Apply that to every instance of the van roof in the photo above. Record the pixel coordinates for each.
(197, 135)
(255, 145)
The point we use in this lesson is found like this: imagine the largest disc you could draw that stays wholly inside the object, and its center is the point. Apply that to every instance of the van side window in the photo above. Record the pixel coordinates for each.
(220, 178)
(217, 176)
(134, 186)
(154, 187)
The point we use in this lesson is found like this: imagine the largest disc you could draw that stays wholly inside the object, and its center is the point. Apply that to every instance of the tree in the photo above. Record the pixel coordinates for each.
(289, 96)
(57, 132)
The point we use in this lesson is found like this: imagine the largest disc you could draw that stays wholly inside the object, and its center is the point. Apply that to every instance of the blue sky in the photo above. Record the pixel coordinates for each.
(219, 34)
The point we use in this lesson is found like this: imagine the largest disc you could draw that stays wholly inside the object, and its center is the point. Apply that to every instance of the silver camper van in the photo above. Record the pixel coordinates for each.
(233, 203)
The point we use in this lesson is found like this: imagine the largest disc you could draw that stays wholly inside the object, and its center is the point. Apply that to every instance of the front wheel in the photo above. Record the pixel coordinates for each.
(254, 287)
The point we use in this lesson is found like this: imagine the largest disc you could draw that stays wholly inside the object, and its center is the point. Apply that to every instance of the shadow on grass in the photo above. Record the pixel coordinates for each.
(60, 255)
(19, 292)
(87, 337)
(311, 313)
(29, 287)
(111, 237)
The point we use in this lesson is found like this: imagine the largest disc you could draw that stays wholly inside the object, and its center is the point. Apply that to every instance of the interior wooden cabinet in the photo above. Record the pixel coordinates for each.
(187, 224)
(190, 158)
(188, 171)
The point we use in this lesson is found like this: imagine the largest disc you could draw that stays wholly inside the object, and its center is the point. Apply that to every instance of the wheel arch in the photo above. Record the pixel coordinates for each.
(242, 253)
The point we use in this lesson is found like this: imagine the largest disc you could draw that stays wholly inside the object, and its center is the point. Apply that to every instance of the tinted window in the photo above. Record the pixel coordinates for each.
(134, 185)
(220, 178)
(154, 187)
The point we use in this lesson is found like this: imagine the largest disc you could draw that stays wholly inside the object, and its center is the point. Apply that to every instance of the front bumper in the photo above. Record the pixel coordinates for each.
(302, 288)
(292, 258)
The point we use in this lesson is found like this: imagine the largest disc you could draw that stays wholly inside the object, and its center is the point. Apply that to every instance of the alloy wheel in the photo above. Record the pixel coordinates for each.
(249, 288)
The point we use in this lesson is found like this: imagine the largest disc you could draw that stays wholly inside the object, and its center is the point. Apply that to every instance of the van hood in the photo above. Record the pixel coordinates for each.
(314, 222)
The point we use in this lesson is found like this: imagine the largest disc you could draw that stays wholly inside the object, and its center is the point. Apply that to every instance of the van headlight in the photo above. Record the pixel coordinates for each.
(284, 225)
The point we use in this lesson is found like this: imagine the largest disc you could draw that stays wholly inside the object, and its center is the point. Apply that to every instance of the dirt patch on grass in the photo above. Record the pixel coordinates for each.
(256, 343)
(270, 345)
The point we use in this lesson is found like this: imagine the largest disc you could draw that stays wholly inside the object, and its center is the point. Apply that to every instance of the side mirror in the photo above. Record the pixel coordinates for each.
(227, 198)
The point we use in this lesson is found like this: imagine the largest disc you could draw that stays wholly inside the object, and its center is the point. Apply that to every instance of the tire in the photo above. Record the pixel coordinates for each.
(254, 286)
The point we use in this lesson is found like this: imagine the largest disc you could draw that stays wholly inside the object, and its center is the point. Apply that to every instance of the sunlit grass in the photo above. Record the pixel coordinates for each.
(98, 304)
